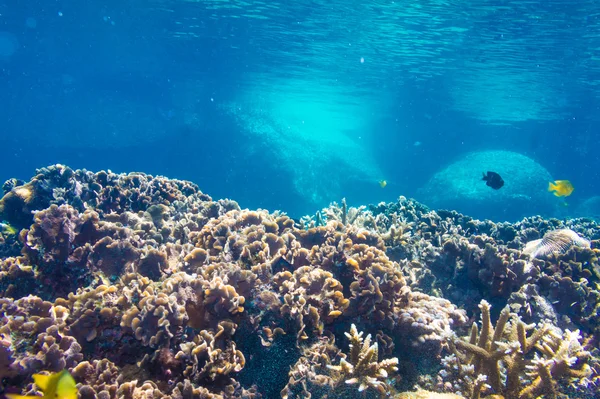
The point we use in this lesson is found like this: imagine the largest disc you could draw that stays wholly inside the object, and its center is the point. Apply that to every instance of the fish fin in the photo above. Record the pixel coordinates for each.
(484, 176)
(42, 381)
(15, 396)
(66, 386)
(552, 187)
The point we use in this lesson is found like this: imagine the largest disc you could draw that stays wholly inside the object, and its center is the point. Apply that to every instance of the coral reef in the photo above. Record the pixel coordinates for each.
(515, 360)
(423, 394)
(144, 286)
(363, 369)
(555, 241)
(314, 372)
(453, 256)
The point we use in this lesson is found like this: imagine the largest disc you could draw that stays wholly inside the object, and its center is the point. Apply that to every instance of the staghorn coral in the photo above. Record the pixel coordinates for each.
(507, 360)
(315, 373)
(363, 368)
(562, 357)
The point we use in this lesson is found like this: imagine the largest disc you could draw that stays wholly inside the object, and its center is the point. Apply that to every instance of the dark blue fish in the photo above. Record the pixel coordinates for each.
(493, 180)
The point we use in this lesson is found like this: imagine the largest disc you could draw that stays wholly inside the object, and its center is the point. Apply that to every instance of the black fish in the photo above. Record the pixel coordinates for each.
(493, 180)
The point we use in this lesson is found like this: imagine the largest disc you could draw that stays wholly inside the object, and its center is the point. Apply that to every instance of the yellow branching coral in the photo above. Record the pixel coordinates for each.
(509, 361)
(363, 368)
(562, 357)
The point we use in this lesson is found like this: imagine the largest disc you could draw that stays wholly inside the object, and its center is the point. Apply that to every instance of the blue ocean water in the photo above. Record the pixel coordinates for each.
(292, 105)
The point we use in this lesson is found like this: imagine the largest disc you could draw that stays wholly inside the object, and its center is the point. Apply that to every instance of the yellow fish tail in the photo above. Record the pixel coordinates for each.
(43, 381)
(553, 188)
(15, 396)
(59, 385)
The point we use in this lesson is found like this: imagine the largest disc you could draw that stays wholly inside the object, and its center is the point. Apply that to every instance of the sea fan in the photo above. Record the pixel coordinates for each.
(555, 241)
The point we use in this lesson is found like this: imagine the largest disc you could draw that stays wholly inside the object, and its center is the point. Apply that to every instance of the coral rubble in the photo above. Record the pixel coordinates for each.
(143, 286)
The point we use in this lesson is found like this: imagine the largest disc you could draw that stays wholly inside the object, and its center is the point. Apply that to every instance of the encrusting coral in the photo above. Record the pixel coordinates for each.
(145, 287)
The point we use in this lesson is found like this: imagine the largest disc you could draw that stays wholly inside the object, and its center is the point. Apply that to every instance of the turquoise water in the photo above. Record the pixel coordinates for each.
(293, 105)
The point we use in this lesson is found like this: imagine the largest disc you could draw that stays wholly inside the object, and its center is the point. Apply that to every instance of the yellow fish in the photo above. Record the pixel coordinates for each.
(7, 229)
(382, 183)
(561, 188)
(59, 385)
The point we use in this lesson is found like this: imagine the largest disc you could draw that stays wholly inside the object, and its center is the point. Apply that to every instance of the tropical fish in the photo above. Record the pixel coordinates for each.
(561, 188)
(7, 229)
(59, 385)
(493, 180)
(382, 183)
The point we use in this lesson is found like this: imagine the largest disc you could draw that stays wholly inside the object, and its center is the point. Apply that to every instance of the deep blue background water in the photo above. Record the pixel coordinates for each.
(291, 107)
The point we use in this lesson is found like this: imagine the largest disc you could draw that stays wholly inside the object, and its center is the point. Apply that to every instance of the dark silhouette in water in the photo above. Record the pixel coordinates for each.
(493, 180)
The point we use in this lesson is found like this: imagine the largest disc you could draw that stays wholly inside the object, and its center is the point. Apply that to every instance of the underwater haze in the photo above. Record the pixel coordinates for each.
(293, 105)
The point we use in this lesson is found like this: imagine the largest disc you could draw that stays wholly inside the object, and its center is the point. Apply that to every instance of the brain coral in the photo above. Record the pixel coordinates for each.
(459, 187)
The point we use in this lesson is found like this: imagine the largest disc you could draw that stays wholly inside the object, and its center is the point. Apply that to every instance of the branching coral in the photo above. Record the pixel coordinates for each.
(362, 368)
(360, 371)
(505, 360)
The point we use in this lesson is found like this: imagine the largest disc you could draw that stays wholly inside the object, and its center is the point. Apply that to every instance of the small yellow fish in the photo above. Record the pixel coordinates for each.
(561, 188)
(7, 229)
(59, 385)
(382, 183)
